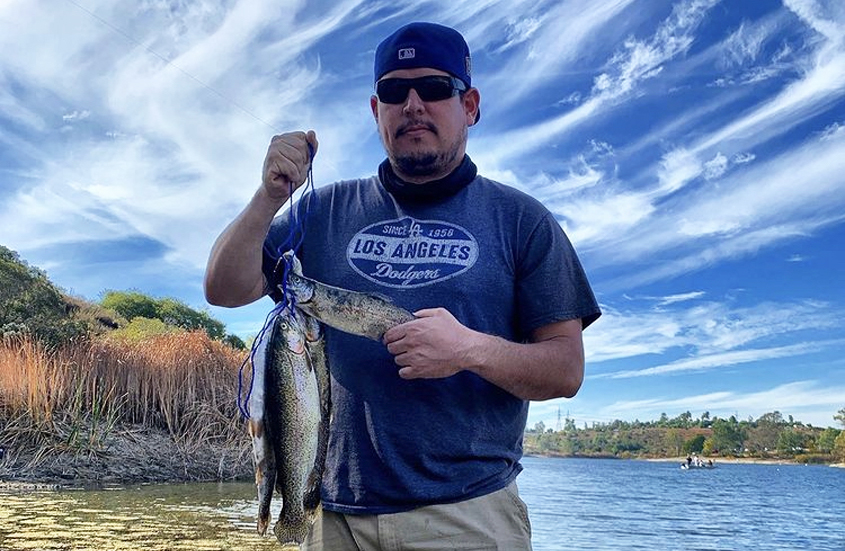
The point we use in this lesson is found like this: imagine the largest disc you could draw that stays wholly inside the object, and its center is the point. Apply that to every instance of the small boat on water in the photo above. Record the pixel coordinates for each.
(686, 467)
(695, 462)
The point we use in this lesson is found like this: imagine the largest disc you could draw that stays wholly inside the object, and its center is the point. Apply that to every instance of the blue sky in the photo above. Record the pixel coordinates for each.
(694, 151)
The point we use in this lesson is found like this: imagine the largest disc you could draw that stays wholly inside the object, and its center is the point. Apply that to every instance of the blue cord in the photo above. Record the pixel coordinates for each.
(288, 301)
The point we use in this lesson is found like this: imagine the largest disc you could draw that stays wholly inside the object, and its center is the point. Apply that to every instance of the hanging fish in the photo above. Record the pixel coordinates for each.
(290, 399)
(288, 428)
(365, 314)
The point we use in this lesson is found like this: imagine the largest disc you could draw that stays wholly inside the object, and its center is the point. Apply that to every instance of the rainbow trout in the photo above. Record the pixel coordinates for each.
(290, 403)
(289, 416)
(364, 314)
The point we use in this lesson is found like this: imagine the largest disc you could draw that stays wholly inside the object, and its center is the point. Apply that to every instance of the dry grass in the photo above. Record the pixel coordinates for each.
(74, 398)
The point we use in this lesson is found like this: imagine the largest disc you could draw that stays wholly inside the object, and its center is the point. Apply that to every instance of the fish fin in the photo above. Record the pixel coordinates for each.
(265, 483)
(312, 489)
(292, 529)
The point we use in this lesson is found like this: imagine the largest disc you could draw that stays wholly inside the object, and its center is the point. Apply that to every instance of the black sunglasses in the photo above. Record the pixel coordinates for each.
(430, 88)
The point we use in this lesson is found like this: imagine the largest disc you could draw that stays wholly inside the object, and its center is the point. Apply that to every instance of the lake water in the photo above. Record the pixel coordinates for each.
(575, 504)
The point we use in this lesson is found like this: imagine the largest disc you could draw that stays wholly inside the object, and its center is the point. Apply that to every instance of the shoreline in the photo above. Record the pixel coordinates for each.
(131, 457)
(679, 460)
(127, 456)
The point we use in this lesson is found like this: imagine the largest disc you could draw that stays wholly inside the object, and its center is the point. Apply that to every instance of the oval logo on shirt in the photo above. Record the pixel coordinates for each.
(409, 253)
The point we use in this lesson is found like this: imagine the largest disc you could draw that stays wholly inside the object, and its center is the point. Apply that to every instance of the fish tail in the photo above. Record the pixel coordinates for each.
(292, 529)
(265, 482)
(263, 522)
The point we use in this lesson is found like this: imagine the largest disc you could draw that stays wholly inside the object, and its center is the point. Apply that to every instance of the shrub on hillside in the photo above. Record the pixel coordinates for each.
(32, 306)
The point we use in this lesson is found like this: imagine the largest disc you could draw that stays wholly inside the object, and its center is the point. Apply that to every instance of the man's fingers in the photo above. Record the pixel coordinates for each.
(289, 156)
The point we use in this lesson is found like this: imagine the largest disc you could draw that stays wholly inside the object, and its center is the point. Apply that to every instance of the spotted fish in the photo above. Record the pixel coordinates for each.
(365, 314)
(290, 403)
(289, 408)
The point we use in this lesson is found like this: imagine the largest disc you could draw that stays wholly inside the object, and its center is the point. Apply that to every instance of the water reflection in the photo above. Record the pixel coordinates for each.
(162, 517)
(575, 504)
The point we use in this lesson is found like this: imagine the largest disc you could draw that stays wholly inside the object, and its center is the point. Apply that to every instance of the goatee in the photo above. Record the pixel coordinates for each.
(423, 164)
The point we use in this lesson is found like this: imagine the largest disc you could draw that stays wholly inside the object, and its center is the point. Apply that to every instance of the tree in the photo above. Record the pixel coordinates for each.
(31, 305)
(764, 435)
(839, 446)
(133, 304)
(727, 436)
(694, 444)
(684, 420)
(674, 441)
(790, 441)
(827, 440)
(840, 416)
(130, 304)
(773, 418)
(234, 341)
(175, 312)
(141, 329)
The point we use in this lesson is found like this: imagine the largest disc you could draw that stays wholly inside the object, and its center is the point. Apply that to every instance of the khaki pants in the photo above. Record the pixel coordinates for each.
(496, 521)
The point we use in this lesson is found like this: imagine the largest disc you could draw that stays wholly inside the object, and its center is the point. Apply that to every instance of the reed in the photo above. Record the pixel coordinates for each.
(73, 397)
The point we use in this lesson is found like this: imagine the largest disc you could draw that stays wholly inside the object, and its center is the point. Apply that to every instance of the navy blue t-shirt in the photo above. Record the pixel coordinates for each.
(500, 263)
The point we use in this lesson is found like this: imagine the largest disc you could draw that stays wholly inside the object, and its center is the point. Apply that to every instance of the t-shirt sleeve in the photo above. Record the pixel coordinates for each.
(551, 283)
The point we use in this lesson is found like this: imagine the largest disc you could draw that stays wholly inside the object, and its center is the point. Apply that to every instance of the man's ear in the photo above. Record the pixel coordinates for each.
(374, 106)
(472, 102)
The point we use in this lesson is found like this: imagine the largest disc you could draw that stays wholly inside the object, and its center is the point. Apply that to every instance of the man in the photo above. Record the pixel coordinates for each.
(427, 425)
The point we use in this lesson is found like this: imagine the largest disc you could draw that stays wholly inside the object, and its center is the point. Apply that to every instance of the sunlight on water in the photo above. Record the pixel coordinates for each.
(201, 517)
(575, 504)
(611, 505)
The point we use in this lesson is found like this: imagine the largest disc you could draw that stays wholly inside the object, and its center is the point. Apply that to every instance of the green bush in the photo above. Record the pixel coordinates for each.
(133, 304)
(143, 329)
(32, 306)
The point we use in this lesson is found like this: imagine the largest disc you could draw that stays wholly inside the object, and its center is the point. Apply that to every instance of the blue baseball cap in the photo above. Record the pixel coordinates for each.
(423, 44)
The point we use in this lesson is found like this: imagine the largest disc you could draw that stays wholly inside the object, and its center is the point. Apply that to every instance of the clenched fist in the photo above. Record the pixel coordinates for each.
(286, 164)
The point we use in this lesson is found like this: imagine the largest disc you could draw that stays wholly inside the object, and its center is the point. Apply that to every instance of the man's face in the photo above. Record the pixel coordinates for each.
(424, 140)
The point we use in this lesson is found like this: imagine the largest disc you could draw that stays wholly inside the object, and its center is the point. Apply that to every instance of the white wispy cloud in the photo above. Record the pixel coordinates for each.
(701, 331)
(681, 297)
(743, 158)
(744, 44)
(817, 401)
(715, 167)
(762, 205)
(638, 61)
(677, 168)
(178, 95)
(559, 35)
(720, 360)
(520, 31)
(76, 116)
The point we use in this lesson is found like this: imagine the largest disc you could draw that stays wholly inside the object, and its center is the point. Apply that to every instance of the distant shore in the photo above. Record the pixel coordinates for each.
(683, 459)
(731, 460)
(748, 460)
(135, 456)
